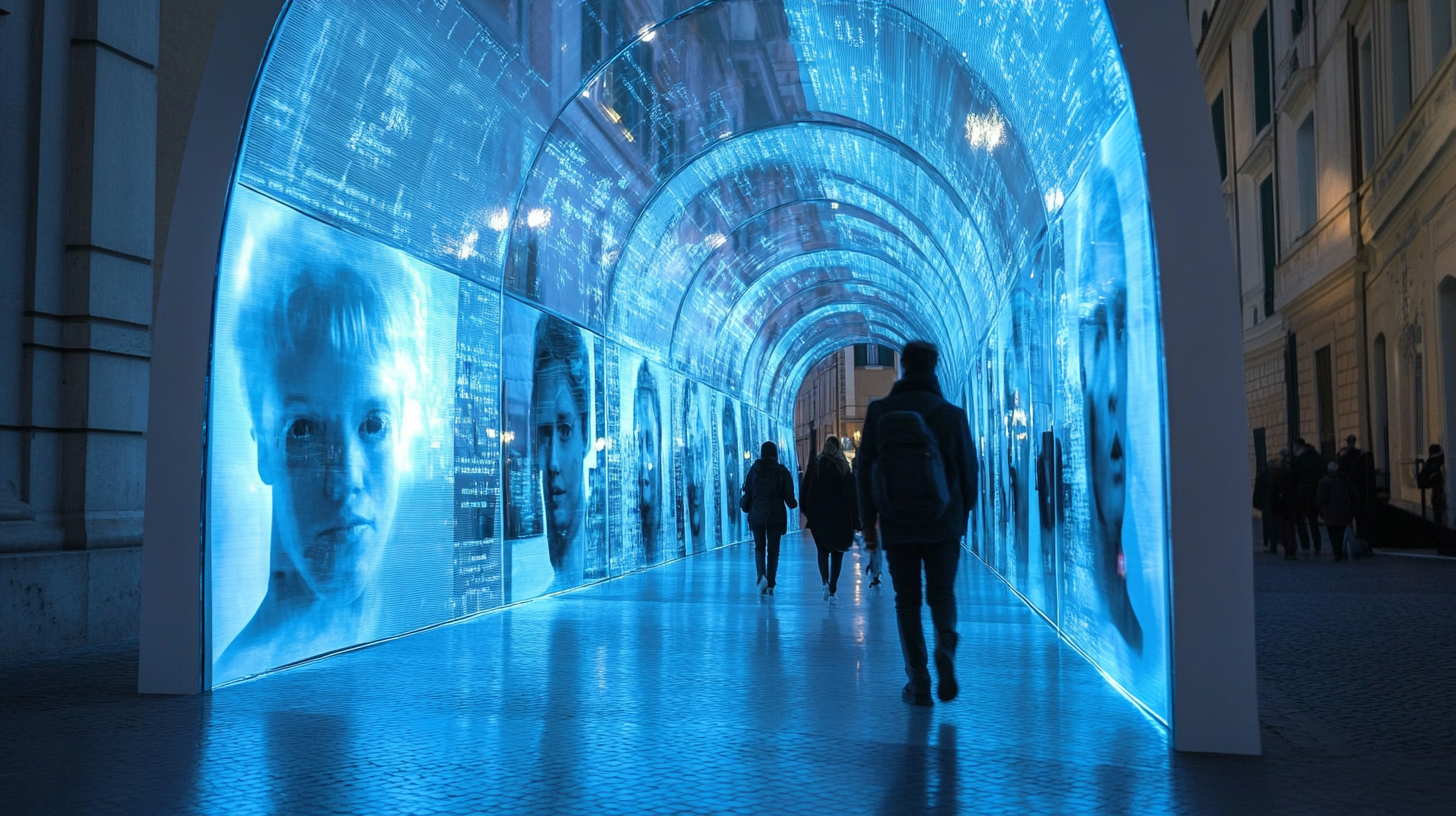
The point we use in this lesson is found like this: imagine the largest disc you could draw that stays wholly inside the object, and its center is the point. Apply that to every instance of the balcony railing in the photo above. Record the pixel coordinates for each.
(1298, 56)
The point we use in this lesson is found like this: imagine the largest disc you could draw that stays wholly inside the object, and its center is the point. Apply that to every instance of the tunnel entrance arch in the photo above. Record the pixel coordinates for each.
(556, 273)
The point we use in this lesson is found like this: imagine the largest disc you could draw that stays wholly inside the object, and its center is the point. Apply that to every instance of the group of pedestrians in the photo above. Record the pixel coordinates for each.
(909, 493)
(1298, 492)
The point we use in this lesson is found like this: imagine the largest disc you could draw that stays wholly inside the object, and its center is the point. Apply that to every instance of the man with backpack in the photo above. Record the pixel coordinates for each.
(916, 475)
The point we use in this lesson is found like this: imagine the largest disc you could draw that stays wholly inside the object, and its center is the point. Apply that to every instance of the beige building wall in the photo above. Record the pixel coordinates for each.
(833, 400)
(1361, 277)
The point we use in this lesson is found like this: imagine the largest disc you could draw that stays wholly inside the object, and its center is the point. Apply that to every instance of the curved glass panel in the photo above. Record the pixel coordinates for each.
(512, 293)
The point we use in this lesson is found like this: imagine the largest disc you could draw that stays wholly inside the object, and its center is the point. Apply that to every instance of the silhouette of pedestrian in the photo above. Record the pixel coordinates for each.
(1309, 468)
(1337, 507)
(917, 481)
(1433, 478)
(832, 511)
(1282, 499)
(768, 495)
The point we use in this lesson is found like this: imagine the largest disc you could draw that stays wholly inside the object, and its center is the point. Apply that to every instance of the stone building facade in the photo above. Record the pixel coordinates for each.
(95, 103)
(1334, 118)
(836, 393)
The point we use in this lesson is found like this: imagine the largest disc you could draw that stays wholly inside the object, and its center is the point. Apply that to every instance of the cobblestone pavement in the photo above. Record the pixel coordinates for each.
(680, 690)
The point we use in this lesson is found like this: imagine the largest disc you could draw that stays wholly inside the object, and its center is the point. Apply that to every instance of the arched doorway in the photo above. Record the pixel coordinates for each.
(551, 252)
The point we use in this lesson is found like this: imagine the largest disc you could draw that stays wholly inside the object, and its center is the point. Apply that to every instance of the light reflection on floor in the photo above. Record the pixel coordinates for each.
(676, 690)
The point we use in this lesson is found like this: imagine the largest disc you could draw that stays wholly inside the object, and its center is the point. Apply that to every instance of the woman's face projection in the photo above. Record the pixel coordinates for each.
(730, 463)
(1104, 373)
(693, 464)
(331, 461)
(649, 477)
(328, 416)
(561, 445)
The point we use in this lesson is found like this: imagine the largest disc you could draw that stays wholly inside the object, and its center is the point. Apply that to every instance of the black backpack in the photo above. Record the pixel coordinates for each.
(765, 486)
(908, 478)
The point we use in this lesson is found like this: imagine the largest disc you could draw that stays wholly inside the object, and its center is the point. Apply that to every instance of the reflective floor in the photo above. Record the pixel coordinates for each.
(681, 690)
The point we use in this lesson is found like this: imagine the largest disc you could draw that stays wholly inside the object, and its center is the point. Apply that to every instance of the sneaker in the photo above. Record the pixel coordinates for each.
(913, 697)
(833, 600)
(945, 669)
(769, 590)
(875, 583)
(826, 592)
(763, 582)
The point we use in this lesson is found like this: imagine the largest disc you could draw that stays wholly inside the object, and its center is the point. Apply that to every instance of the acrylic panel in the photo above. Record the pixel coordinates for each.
(555, 509)
(330, 440)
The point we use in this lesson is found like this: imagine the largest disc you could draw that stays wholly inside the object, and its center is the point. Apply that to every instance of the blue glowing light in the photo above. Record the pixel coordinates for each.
(581, 257)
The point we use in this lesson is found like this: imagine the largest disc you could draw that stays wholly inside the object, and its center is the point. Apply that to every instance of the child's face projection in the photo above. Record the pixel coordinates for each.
(329, 455)
(561, 444)
(649, 479)
(1104, 372)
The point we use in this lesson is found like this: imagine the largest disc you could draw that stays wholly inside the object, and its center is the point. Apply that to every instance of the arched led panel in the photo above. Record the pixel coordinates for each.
(533, 276)
(832, 274)
(652, 272)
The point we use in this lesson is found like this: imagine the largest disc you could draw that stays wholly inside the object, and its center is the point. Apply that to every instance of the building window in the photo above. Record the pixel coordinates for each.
(866, 354)
(1440, 31)
(1267, 240)
(1263, 86)
(1220, 140)
(1367, 103)
(1400, 60)
(1305, 161)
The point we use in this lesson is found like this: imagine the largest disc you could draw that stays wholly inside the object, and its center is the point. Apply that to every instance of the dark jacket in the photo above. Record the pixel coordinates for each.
(1351, 461)
(1336, 504)
(1282, 489)
(952, 434)
(830, 504)
(1433, 475)
(1309, 468)
(1263, 490)
(770, 490)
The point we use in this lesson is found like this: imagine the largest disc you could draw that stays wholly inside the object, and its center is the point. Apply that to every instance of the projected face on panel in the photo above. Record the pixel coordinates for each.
(731, 477)
(1104, 388)
(559, 412)
(694, 460)
(329, 345)
(647, 434)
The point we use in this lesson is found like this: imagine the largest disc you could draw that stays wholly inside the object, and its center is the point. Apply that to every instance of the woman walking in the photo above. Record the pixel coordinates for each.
(767, 491)
(832, 511)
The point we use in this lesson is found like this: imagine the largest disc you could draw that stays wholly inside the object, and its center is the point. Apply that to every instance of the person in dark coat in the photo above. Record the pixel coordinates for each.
(1309, 469)
(1262, 495)
(1433, 478)
(936, 547)
(768, 495)
(832, 510)
(1352, 467)
(1337, 507)
(1282, 492)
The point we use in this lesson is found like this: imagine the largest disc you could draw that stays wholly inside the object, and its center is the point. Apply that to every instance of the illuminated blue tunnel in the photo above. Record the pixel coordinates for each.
(469, 240)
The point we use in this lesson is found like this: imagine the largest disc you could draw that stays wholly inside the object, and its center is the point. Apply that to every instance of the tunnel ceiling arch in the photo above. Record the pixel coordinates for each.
(619, 164)
(552, 271)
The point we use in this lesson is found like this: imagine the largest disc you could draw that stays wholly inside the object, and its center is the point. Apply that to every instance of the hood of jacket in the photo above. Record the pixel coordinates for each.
(918, 382)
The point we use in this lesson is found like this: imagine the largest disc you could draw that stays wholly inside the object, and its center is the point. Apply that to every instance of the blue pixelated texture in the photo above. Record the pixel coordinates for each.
(631, 228)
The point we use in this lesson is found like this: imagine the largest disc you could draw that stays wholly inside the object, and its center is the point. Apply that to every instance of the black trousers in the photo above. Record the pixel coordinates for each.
(1270, 529)
(830, 563)
(1306, 523)
(938, 561)
(766, 552)
(1337, 540)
